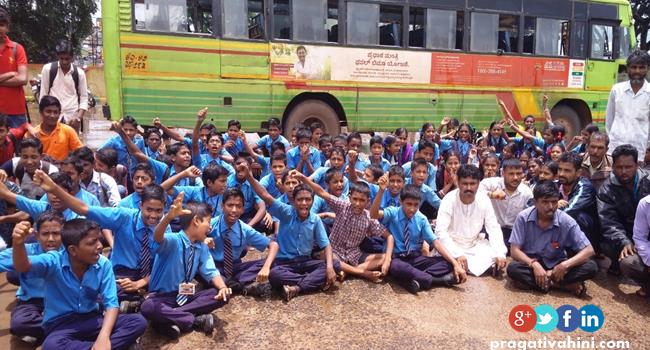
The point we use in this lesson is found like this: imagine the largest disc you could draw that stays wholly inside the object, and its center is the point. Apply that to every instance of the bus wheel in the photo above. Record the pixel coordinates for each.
(568, 118)
(311, 111)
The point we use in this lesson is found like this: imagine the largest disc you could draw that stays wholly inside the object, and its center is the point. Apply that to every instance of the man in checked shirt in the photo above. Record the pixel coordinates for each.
(351, 226)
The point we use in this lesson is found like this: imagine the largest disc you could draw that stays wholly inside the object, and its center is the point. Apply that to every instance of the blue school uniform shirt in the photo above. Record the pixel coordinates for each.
(170, 264)
(237, 148)
(319, 205)
(436, 150)
(131, 201)
(65, 294)
(83, 195)
(34, 208)
(241, 236)
(202, 148)
(297, 238)
(30, 288)
(269, 183)
(429, 195)
(523, 146)
(293, 158)
(384, 164)
(128, 230)
(186, 181)
(250, 197)
(123, 156)
(200, 194)
(206, 159)
(388, 200)
(431, 171)
(267, 142)
(461, 147)
(319, 177)
(419, 229)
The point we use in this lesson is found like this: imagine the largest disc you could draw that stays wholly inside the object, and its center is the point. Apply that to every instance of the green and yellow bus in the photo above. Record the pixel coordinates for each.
(363, 64)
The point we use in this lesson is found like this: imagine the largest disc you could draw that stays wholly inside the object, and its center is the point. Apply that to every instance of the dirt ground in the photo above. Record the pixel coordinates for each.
(362, 315)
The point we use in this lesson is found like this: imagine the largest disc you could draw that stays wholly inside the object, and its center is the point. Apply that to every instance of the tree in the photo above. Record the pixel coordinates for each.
(40, 24)
(641, 13)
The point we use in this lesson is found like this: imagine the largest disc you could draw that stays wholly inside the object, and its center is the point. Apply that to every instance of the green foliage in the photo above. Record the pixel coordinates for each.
(39, 24)
(641, 13)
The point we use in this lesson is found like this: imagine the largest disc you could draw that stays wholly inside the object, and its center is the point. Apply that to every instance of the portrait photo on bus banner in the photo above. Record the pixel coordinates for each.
(310, 62)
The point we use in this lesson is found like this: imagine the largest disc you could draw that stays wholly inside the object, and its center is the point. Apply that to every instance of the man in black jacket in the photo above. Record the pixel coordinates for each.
(578, 196)
(617, 201)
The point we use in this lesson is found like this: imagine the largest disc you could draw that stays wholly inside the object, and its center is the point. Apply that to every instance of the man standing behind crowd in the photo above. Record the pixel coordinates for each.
(628, 110)
(13, 75)
(68, 85)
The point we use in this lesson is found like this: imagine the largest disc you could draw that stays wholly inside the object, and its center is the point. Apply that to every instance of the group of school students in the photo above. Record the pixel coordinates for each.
(158, 228)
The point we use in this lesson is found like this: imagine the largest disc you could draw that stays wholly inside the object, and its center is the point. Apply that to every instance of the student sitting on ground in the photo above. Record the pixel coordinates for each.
(27, 316)
(174, 305)
(294, 270)
(77, 278)
(409, 229)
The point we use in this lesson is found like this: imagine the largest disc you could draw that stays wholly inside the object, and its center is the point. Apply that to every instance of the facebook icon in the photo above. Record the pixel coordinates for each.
(569, 318)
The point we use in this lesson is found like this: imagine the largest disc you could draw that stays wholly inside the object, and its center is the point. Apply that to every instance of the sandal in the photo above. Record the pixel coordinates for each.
(581, 290)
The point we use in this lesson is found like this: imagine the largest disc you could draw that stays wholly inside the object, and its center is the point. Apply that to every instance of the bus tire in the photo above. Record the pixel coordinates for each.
(567, 117)
(310, 111)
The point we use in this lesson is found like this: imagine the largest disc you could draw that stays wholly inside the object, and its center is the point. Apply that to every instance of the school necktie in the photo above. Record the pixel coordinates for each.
(181, 299)
(407, 237)
(227, 254)
(144, 265)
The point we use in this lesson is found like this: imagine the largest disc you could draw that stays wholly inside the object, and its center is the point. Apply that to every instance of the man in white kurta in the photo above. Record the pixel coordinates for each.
(459, 228)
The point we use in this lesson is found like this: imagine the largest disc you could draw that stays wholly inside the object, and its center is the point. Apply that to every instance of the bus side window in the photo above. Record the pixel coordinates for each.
(243, 19)
(362, 23)
(484, 32)
(602, 40)
(509, 33)
(548, 37)
(175, 16)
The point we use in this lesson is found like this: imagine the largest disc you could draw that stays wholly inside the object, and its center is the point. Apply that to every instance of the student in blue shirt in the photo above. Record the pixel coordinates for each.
(77, 278)
(27, 316)
(32, 208)
(294, 270)
(274, 135)
(181, 159)
(129, 126)
(143, 176)
(215, 179)
(355, 143)
(201, 139)
(73, 166)
(336, 187)
(304, 158)
(255, 214)
(173, 305)
(336, 161)
(270, 181)
(430, 200)
(377, 153)
(234, 139)
(132, 254)
(426, 151)
(410, 228)
(227, 241)
(215, 144)
(325, 146)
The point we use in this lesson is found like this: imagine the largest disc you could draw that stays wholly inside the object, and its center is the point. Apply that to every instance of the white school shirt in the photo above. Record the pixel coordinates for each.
(627, 118)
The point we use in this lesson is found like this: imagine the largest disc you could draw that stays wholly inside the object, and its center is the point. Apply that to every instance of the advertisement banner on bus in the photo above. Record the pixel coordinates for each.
(308, 62)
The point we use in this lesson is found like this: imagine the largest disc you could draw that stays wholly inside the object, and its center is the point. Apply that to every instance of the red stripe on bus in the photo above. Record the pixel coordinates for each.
(507, 97)
(190, 49)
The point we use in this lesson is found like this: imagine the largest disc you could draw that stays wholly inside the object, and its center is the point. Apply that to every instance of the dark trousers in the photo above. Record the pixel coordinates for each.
(79, 331)
(133, 275)
(161, 308)
(611, 251)
(13, 277)
(507, 231)
(521, 273)
(308, 274)
(589, 226)
(634, 268)
(27, 317)
(373, 245)
(418, 267)
(243, 273)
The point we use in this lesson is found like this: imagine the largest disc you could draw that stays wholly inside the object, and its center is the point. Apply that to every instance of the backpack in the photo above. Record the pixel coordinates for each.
(19, 172)
(168, 172)
(54, 69)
